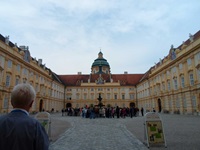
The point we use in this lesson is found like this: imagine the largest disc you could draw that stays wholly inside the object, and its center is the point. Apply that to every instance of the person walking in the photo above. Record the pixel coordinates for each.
(18, 130)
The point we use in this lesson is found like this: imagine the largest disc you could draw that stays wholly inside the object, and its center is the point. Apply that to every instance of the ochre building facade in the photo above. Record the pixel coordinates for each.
(171, 86)
(17, 66)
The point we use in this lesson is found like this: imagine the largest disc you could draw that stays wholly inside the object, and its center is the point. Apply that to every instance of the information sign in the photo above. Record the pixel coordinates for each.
(45, 119)
(154, 129)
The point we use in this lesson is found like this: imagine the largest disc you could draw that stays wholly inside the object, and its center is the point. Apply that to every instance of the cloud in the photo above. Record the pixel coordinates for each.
(68, 34)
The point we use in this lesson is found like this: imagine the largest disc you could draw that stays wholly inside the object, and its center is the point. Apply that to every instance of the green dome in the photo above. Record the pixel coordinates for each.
(100, 61)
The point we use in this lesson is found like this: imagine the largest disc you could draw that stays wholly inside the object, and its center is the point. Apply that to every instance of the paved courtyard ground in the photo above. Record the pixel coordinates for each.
(182, 132)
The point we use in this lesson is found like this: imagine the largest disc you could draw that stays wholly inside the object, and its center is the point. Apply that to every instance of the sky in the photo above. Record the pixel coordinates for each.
(67, 35)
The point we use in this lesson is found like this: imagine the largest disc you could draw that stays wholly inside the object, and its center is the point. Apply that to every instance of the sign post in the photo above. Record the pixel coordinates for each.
(45, 119)
(154, 129)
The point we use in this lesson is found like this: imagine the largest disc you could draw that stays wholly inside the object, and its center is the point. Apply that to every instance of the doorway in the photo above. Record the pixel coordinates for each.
(41, 105)
(132, 105)
(159, 105)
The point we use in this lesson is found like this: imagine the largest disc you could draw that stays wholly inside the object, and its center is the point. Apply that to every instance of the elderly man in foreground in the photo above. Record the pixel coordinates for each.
(19, 131)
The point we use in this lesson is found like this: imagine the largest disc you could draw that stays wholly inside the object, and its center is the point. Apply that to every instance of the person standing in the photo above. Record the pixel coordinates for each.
(18, 130)
(142, 111)
(131, 111)
(117, 111)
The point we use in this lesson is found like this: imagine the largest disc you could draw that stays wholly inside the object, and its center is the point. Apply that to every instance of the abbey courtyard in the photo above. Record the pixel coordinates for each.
(172, 85)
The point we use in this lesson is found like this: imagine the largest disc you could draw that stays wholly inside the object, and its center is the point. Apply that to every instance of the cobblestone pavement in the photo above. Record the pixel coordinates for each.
(97, 134)
(182, 132)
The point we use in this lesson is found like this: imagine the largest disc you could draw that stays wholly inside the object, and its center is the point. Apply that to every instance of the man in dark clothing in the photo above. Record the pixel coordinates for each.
(19, 131)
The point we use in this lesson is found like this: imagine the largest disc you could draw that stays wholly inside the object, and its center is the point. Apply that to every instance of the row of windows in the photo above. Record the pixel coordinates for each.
(99, 89)
(174, 69)
(175, 84)
(178, 103)
(42, 90)
(25, 72)
(108, 97)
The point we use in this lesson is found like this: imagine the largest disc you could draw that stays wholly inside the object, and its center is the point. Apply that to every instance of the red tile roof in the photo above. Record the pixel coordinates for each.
(127, 79)
(124, 79)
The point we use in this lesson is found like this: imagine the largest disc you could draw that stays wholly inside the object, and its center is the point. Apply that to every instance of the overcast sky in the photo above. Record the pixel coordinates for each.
(68, 34)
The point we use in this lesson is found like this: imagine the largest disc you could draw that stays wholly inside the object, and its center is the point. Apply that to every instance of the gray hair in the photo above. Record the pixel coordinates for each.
(22, 95)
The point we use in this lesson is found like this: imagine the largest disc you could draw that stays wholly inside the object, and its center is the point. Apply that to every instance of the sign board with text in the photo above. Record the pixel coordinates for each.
(154, 129)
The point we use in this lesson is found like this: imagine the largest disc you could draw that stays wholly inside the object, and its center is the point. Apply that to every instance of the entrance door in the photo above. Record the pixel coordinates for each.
(41, 105)
(132, 104)
(159, 105)
(68, 105)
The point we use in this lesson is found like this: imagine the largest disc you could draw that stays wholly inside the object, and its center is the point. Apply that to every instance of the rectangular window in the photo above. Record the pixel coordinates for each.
(191, 79)
(9, 64)
(7, 80)
(168, 83)
(123, 96)
(163, 76)
(180, 66)
(194, 103)
(131, 96)
(168, 73)
(18, 68)
(16, 81)
(174, 70)
(198, 56)
(189, 61)
(92, 96)
(25, 71)
(198, 72)
(100, 89)
(115, 96)
(2, 60)
(175, 84)
(182, 81)
(5, 103)
(37, 76)
(177, 103)
(77, 96)
(108, 96)
(163, 86)
(49, 92)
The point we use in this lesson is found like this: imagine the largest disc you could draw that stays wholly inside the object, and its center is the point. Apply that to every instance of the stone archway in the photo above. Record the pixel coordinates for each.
(41, 105)
(159, 105)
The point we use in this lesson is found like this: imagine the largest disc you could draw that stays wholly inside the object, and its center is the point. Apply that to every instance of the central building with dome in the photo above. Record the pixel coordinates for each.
(115, 89)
